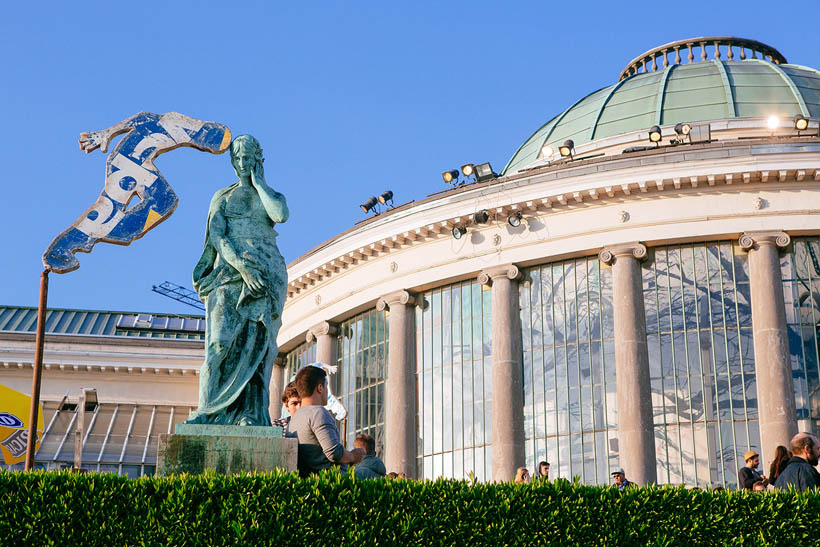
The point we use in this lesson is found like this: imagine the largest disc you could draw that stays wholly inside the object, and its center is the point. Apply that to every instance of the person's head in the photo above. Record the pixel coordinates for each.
(311, 385)
(392, 475)
(752, 459)
(544, 470)
(366, 443)
(781, 453)
(245, 154)
(401, 476)
(758, 486)
(291, 399)
(522, 475)
(806, 446)
(717, 488)
(619, 476)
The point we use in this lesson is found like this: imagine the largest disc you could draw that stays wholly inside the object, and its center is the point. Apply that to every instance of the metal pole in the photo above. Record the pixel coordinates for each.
(78, 431)
(38, 371)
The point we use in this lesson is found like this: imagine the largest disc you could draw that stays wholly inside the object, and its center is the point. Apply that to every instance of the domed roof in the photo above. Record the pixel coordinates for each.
(697, 91)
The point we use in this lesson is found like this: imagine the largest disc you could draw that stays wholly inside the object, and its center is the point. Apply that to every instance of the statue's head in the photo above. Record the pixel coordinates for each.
(245, 153)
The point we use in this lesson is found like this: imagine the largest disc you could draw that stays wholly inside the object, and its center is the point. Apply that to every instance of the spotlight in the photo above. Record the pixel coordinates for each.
(368, 205)
(467, 169)
(385, 197)
(481, 217)
(459, 231)
(801, 123)
(655, 134)
(566, 148)
(682, 129)
(514, 220)
(546, 152)
(484, 171)
(773, 122)
(450, 176)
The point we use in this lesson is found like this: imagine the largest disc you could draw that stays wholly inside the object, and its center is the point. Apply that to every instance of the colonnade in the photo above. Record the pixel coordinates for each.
(778, 422)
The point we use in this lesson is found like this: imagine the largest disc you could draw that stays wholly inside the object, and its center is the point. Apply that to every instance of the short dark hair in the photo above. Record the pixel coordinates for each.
(290, 391)
(543, 463)
(308, 378)
(363, 440)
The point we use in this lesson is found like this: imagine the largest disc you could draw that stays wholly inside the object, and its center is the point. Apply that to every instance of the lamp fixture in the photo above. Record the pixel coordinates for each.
(655, 134)
(459, 231)
(773, 122)
(514, 220)
(546, 152)
(467, 169)
(683, 129)
(450, 177)
(484, 171)
(370, 205)
(567, 148)
(385, 197)
(481, 217)
(801, 123)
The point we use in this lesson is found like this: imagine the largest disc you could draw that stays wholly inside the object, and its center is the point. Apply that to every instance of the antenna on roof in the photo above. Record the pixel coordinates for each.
(179, 293)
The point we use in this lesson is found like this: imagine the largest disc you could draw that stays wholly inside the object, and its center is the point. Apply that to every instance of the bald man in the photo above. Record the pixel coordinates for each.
(800, 473)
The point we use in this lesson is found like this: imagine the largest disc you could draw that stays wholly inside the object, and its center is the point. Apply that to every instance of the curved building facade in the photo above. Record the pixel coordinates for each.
(636, 303)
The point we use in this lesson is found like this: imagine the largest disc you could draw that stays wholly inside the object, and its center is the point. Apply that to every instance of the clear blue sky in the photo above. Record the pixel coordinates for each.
(347, 98)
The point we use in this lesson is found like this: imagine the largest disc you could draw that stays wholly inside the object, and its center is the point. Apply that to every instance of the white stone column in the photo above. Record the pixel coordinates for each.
(400, 384)
(775, 388)
(636, 438)
(508, 377)
(277, 386)
(325, 336)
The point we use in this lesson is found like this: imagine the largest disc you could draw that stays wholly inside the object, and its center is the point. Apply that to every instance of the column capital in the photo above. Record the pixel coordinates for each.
(611, 253)
(402, 297)
(281, 360)
(510, 271)
(753, 240)
(321, 329)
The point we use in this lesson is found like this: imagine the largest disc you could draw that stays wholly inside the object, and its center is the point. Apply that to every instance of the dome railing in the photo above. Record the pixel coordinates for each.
(648, 62)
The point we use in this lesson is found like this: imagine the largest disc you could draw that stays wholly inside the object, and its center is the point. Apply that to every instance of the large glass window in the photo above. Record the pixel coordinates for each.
(701, 356)
(301, 355)
(800, 270)
(570, 412)
(454, 379)
(362, 360)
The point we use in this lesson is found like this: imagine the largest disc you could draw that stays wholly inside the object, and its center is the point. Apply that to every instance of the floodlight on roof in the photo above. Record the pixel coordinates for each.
(481, 217)
(567, 148)
(385, 197)
(773, 122)
(682, 129)
(467, 169)
(450, 176)
(484, 171)
(369, 205)
(546, 152)
(655, 134)
(801, 123)
(514, 220)
(459, 231)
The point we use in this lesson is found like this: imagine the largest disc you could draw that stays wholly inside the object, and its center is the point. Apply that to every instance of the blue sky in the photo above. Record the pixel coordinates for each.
(347, 98)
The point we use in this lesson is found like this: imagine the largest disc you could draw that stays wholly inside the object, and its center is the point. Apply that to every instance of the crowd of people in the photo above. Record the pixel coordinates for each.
(320, 446)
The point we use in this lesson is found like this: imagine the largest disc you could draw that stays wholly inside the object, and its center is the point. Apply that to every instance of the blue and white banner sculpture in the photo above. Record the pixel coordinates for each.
(130, 173)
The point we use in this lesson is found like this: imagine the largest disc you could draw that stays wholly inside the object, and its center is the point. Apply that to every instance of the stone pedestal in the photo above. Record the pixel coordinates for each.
(226, 449)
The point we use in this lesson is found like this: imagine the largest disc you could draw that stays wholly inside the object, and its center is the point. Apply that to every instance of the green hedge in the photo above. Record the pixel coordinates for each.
(43, 508)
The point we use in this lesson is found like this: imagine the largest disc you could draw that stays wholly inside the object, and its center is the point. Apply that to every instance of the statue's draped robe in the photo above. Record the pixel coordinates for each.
(241, 328)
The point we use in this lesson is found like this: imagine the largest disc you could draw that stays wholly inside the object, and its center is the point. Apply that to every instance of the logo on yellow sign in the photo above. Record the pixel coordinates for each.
(14, 410)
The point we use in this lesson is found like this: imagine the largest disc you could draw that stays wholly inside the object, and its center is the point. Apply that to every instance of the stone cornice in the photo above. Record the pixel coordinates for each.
(322, 329)
(752, 240)
(107, 340)
(404, 298)
(610, 254)
(508, 271)
(699, 174)
(102, 368)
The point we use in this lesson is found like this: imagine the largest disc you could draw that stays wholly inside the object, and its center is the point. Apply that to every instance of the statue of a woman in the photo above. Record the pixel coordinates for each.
(241, 278)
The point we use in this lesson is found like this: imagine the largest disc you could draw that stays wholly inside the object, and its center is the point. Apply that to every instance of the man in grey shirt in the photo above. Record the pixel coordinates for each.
(319, 444)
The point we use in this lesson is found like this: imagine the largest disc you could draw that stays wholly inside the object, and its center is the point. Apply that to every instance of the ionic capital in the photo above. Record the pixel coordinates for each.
(507, 271)
(402, 297)
(754, 240)
(610, 254)
(323, 328)
(280, 360)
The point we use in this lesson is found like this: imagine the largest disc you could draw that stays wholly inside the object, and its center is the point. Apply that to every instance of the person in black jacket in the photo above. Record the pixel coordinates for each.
(800, 474)
(748, 474)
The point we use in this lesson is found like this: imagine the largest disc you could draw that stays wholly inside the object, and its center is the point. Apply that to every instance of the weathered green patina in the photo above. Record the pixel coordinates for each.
(242, 279)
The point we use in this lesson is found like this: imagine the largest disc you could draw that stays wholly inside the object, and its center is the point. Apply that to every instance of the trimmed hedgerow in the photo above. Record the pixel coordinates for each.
(43, 508)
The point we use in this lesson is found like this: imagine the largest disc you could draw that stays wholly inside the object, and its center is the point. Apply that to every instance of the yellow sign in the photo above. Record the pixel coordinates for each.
(14, 410)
